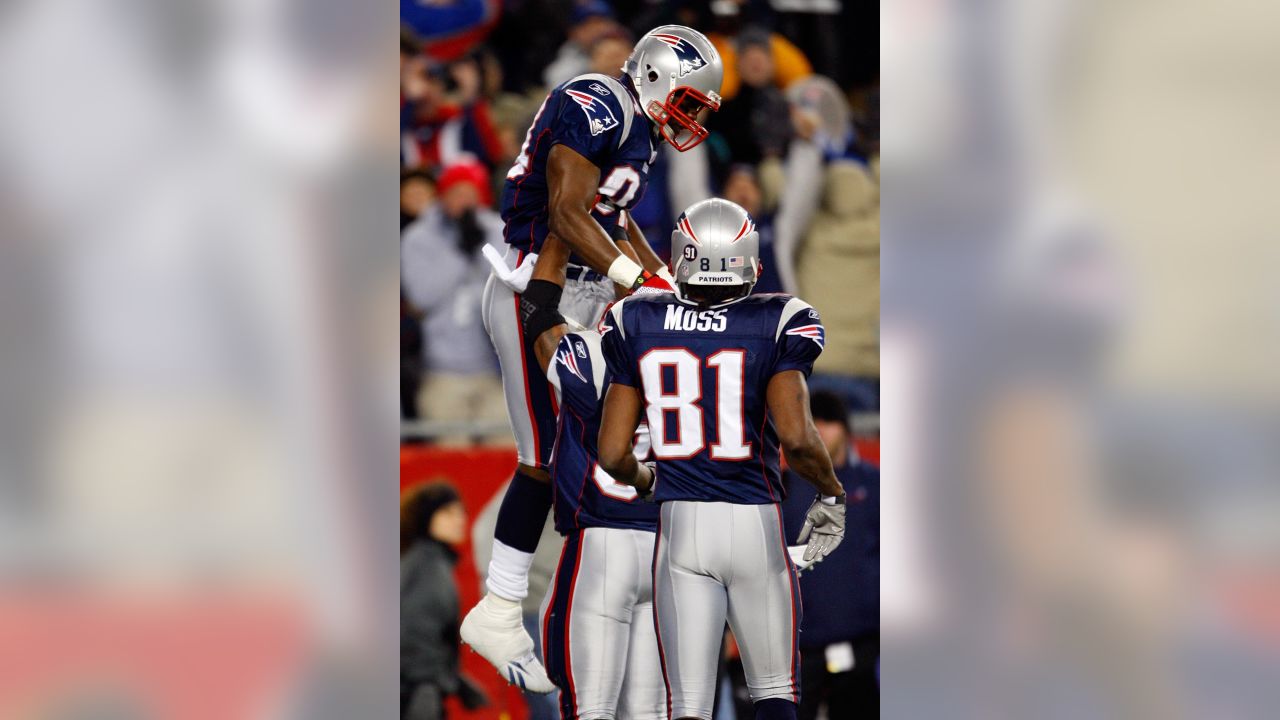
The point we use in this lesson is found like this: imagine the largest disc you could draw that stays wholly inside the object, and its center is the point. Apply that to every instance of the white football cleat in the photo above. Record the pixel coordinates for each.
(494, 629)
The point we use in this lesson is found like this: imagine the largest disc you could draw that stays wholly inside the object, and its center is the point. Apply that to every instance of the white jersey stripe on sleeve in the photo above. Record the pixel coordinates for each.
(793, 306)
(616, 311)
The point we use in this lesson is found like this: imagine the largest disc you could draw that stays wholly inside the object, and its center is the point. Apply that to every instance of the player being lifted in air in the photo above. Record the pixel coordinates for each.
(719, 375)
(598, 639)
(584, 161)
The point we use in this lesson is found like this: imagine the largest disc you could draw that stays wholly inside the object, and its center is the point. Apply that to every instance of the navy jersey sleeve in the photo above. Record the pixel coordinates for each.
(590, 120)
(618, 354)
(800, 338)
(577, 371)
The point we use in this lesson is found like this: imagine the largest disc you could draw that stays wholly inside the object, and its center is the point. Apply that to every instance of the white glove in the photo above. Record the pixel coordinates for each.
(516, 279)
(825, 523)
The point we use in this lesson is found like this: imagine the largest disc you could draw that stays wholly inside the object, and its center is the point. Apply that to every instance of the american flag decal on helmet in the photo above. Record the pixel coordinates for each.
(568, 360)
(686, 53)
(813, 332)
(599, 117)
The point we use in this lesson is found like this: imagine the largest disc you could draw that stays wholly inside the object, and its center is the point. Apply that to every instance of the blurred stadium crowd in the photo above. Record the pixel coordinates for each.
(796, 142)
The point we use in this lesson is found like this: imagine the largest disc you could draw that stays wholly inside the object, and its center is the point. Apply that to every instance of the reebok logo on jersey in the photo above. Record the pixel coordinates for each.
(599, 117)
(813, 332)
(600, 88)
(688, 56)
(682, 318)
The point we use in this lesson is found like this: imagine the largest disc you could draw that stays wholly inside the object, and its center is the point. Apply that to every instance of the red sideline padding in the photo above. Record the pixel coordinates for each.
(478, 473)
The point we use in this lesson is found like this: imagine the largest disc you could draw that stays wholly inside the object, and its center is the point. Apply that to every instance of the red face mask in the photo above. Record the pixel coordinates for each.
(680, 117)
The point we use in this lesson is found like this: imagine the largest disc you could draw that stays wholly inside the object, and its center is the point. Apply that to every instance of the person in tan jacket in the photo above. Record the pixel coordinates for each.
(838, 270)
(828, 243)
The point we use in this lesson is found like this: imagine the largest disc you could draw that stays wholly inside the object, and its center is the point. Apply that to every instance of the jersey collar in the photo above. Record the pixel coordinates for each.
(680, 299)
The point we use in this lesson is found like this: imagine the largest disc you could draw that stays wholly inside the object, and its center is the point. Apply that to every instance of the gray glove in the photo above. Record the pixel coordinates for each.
(825, 523)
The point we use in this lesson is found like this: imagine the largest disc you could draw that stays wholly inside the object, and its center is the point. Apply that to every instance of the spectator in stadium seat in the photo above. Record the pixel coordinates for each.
(789, 62)
(743, 187)
(443, 274)
(840, 635)
(437, 129)
(592, 20)
(417, 190)
(753, 124)
(609, 52)
(827, 240)
(838, 271)
(432, 521)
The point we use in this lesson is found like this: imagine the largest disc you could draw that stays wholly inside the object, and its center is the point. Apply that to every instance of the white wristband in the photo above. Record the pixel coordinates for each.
(624, 271)
(829, 499)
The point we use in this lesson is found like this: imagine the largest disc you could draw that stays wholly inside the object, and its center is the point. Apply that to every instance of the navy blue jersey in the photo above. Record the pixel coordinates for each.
(587, 496)
(703, 375)
(599, 118)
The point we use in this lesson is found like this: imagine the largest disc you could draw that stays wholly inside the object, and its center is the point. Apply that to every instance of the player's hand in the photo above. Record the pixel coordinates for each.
(823, 529)
(516, 279)
(646, 492)
(653, 284)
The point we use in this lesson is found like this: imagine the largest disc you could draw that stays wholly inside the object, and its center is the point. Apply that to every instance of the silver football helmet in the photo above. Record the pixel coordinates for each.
(715, 244)
(677, 73)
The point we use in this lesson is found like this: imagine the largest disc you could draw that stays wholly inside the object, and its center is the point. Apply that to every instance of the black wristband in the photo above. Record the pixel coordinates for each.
(641, 279)
(537, 296)
(542, 293)
(540, 321)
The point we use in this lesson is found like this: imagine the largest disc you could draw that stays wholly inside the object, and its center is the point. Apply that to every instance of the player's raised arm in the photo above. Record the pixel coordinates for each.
(642, 251)
(542, 318)
(545, 346)
(573, 181)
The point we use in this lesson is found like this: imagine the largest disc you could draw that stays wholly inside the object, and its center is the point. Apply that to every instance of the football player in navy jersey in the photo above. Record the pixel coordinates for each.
(599, 642)
(584, 161)
(719, 375)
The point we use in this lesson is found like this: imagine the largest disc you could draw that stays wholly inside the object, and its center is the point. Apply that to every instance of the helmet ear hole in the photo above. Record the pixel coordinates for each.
(653, 75)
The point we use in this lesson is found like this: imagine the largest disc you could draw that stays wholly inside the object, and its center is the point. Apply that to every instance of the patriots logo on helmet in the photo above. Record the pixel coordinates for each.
(599, 117)
(813, 332)
(686, 53)
(747, 227)
(683, 224)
